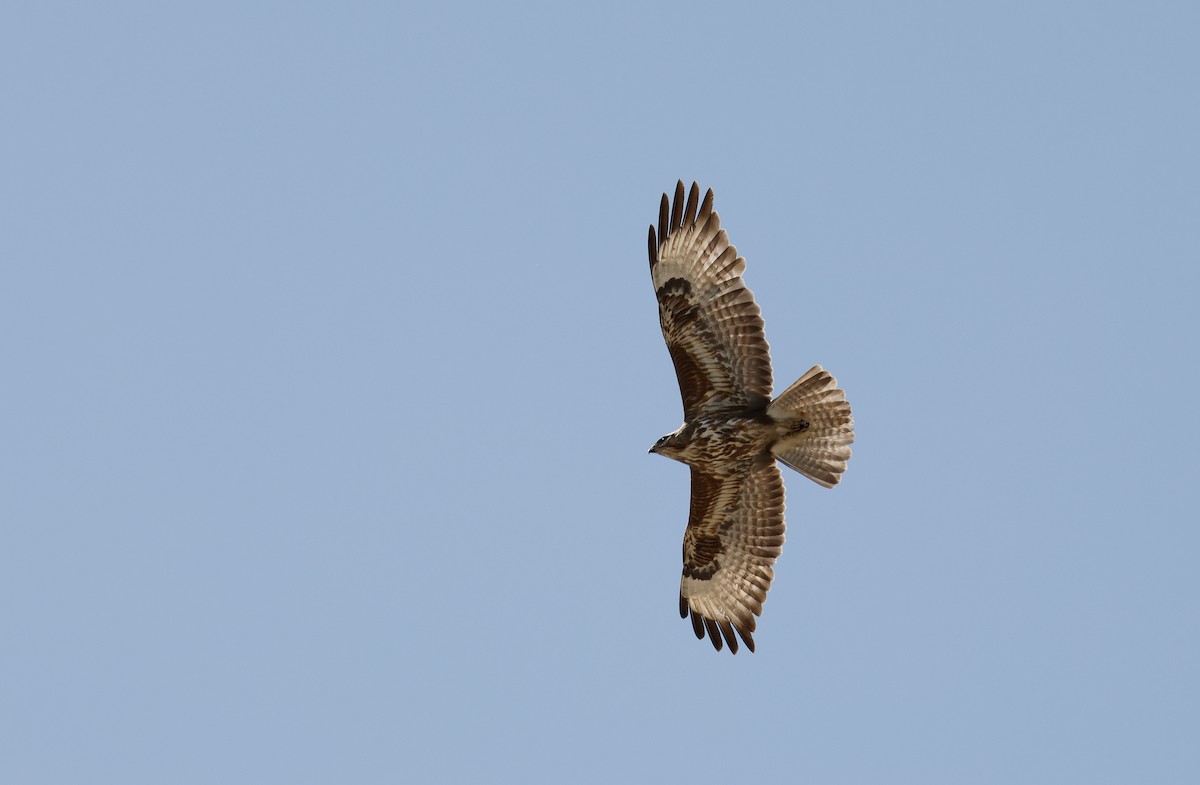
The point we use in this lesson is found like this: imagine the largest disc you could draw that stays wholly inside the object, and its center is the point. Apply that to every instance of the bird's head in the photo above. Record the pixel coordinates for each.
(670, 445)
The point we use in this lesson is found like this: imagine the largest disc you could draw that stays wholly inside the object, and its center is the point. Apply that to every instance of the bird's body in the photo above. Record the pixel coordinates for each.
(719, 440)
(733, 432)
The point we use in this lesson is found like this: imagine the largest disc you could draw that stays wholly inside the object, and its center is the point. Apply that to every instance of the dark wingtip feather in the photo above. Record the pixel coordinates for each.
(664, 214)
(653, 248)
(719, 632)
(707, 205)
(689, 213)
(747, 638)
(714, 634)
(730, 638)
(677, 208)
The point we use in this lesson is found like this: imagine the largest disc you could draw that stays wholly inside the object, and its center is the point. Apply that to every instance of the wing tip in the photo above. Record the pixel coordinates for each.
(730, 638)
(674, 214)
(677, 207)
(714, 633)
(747, 638)
(719, 632)
(664, 215)
(689, 212)
(706, 207)
(697, 626)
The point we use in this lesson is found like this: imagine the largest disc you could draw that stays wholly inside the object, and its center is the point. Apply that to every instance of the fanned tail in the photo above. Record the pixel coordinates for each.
(819, 445)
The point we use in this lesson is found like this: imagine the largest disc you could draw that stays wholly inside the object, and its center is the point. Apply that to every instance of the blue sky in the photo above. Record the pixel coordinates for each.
(331, 362)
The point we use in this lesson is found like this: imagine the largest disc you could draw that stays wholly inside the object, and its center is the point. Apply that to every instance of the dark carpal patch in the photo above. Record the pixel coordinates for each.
(703, 563)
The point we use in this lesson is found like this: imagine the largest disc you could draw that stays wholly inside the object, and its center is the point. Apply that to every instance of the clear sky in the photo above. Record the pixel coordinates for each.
(330, 361)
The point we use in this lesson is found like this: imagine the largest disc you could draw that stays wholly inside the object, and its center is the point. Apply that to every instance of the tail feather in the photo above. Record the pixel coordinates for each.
(819, 450)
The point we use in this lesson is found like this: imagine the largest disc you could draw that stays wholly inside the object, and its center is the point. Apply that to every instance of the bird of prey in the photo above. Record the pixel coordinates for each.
(733, 431)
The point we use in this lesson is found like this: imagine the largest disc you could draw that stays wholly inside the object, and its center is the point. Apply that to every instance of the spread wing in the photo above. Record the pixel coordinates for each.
(711, 323)
(734, 535)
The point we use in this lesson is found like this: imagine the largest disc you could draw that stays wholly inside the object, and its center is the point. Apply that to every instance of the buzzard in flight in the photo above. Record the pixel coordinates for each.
(733, 431)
